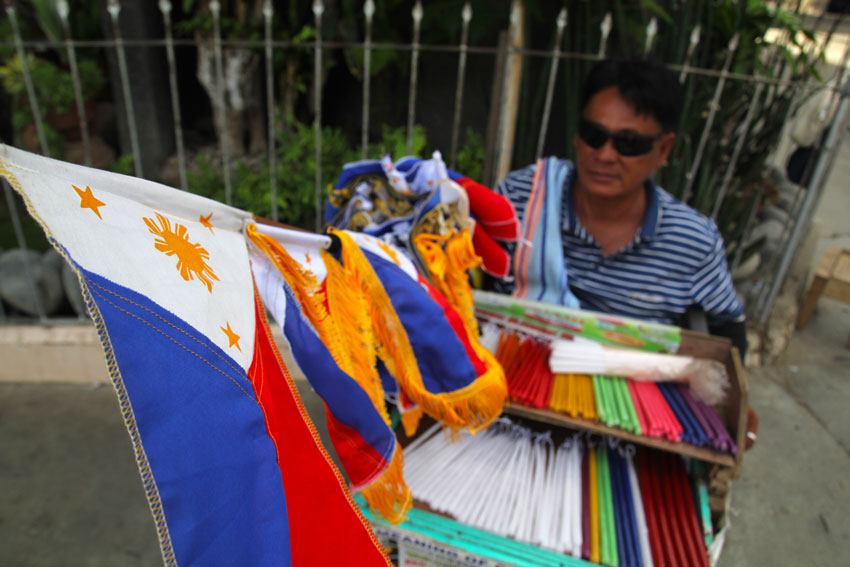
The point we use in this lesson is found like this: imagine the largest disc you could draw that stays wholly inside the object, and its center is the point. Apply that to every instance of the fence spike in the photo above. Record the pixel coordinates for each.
(369, 12)
(414, 71)
(503, 145)
(713, 108)
(62, 9)
(605, 29)
(114, 9)
(165, 8)
(224, 143)
(692, 46)
(19, 47)
(466, 17)
(318, 10)
(268, 14)
(560, 25)
(651, 32)
(739, 144)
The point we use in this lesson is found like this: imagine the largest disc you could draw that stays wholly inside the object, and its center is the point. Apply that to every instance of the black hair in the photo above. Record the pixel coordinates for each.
(644, 82)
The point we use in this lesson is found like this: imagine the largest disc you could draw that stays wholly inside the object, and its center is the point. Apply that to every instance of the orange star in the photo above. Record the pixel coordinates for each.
(231, 336)
(205, 220)
(88, 200)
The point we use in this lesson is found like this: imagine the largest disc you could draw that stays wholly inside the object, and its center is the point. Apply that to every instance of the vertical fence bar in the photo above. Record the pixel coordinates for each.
(605, 30)
(268, 14)
(414, 71)
(503, 141)
(114, 9)
(63, 10)
(369, 12)
(466, 17)
(560, 25)
(713, 108)
(165, 8)
(739, 144)
(220, 111)
(692, 46)
(745, 233)
(22, 243)
(807, 208)
(25, 69)
(651, 32)
(318, 10)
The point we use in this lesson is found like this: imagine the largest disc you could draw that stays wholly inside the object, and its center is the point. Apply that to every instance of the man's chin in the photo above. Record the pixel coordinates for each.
(604, 190)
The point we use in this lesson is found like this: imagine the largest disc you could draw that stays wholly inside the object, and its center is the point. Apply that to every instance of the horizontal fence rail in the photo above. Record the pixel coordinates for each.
(510, 58)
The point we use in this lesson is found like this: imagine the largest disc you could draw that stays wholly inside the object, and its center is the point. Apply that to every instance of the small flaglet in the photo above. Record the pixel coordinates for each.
(232, 337)
(88, 200)
(191, 257)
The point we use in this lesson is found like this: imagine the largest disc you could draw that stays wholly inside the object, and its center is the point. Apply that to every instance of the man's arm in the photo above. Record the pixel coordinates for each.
(715, 293)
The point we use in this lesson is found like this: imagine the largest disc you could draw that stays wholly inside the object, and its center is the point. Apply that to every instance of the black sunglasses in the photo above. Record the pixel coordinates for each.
(626, 143)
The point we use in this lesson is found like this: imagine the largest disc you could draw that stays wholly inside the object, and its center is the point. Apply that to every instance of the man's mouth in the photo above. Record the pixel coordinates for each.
(603, 176)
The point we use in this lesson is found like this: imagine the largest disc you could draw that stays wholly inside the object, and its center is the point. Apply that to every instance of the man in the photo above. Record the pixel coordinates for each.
(601, 231)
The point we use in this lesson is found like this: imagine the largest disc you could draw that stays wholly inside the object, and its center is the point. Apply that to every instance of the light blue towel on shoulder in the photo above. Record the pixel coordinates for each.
(539, 267)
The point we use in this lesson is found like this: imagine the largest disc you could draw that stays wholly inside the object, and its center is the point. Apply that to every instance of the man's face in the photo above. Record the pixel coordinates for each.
(605, 171)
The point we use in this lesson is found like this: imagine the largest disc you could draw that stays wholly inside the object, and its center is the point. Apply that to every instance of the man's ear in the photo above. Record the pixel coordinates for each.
(665, 146)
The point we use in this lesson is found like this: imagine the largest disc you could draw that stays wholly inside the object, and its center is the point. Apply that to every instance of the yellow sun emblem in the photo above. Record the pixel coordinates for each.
(191, 257)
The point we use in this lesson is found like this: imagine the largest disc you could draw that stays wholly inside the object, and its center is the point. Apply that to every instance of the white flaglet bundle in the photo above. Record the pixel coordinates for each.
(707, 378)
(506, 480)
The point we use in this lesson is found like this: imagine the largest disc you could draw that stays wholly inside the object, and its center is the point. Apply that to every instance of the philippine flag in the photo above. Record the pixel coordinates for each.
(231, 464)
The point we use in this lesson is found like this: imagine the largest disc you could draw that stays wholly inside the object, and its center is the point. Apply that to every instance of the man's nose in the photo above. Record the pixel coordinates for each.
(607, 152)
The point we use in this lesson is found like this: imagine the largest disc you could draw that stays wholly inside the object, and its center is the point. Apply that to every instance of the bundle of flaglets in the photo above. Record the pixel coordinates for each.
(178, 287)
(655, 409)
(424, 208)
(590, 498)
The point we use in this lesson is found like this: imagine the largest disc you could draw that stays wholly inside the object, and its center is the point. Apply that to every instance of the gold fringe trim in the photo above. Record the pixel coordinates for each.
(349, 308)
(389, 496)
(448, 268)
(474, 406)
(410, 420)
(307, 290)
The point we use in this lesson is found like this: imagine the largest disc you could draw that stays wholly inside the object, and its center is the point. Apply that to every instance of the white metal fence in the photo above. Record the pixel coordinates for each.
(507, 56)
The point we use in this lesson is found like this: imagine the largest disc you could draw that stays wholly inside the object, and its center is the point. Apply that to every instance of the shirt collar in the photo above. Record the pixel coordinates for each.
(650, 219)
(653, 213)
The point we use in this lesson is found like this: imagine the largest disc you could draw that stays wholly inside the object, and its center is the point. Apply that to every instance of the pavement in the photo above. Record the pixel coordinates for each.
(70, 493)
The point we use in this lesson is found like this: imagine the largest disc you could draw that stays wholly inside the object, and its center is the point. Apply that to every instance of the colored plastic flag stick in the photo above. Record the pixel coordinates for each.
(595, 545)
(585, 504)
(667, 481)
(650, 507)
(640, 514)
(608, 537)
(690, 521)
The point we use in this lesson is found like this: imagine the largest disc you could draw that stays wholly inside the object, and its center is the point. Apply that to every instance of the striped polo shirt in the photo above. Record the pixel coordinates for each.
(675, 261)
